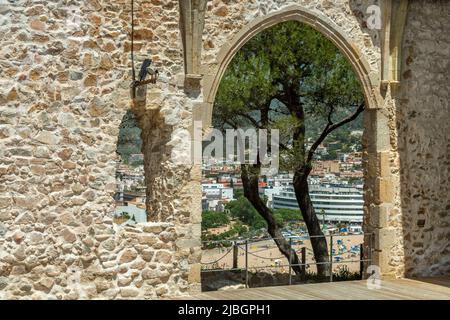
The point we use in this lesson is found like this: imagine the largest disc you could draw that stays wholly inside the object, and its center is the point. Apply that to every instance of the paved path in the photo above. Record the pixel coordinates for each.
(428, 288)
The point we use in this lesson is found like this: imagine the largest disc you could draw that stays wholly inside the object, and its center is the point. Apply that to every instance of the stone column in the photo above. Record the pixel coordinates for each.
(381, 189)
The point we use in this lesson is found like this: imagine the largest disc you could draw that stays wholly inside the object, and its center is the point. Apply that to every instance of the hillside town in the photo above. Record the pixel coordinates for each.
(130, 194)
(222, 178)
(336, 188)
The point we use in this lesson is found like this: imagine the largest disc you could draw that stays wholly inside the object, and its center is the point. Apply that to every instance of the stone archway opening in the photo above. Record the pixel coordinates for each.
(130, 195)
(373, 121)
(141, 181)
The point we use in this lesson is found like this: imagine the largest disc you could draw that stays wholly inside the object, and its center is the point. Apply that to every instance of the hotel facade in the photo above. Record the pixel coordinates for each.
(331, 203)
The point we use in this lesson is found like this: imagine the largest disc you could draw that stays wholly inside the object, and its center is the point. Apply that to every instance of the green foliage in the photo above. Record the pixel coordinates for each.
(332, 155)
(243, 210)
(129, 141)
(344, 274)
(125, 215)
(246, 219)
(238, 229)
(238, 192)
(212, 219)
(354, 180)
(281, 68)
(283, 216)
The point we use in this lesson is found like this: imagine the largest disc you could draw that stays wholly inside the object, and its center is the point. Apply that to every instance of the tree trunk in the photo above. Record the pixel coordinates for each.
(250, 179)
(300, 183)
(318, 241)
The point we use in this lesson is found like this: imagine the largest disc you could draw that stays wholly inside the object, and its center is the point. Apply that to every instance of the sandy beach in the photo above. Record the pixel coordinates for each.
(265, 256)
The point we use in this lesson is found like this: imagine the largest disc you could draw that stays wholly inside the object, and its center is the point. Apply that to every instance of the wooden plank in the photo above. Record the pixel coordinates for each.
(418, 290)
(353, 290)
(441, 281)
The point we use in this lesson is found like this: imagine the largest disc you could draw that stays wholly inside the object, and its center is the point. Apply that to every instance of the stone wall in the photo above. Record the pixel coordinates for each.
(226, 18)
(424, 142)
(64, 89)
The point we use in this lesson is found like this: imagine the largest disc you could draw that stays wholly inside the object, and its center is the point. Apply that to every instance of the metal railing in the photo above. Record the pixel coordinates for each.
(243, 244)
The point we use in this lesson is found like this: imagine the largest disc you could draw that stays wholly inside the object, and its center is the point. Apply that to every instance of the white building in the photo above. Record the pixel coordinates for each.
(333, 204)
(136, 214)
(269, 192)
(281, 180)
(217, 191)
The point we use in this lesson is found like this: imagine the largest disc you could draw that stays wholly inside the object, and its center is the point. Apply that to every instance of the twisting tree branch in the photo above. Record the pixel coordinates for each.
(331, 127)
(330, 122)
(249, 118)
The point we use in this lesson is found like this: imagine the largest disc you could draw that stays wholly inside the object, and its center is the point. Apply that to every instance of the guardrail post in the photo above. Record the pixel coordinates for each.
(304, 264)
(235, 254)
(331, 258)
(361, 262)
(246, 263)
(290, 261)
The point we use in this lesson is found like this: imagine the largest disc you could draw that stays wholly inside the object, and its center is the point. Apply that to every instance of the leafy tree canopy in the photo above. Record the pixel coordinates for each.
(129, 141)
(243, 210)
(212, 219)
(284, 216)
(287, 64)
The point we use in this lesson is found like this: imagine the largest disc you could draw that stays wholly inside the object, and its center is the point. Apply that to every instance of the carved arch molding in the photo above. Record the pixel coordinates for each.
(192, 22)
(374, 81)
(393, 18)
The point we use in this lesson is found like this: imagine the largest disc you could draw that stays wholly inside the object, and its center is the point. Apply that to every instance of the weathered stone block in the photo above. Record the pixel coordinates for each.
(385, 239)
(129, 292)
(68, 235)
(127, 256)
(4, 203)
(45, 284)
(195, 273)
(187, 243)
(147, 239)
(384, 164)
(163, 257)
(385, 190)
(379, 215)
(47, 137)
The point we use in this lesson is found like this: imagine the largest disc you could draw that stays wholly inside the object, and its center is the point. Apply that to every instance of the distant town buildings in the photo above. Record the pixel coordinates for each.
(216, 195)
(130, 195)
(335, 187)
(331, 203)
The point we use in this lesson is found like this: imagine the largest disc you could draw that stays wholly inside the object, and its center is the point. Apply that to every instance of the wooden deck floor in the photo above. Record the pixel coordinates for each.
(398, 289)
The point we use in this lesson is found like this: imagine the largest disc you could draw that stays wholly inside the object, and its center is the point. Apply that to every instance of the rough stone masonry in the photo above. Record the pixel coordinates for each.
(64, 88)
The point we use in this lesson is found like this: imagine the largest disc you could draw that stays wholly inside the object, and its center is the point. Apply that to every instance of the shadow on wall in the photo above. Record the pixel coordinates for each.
(130, 192)
(423, 141)
(161, 181)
